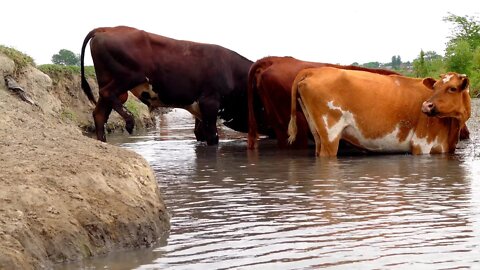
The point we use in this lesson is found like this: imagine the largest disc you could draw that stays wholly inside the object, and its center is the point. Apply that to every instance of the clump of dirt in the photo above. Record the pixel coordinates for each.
(64, 196)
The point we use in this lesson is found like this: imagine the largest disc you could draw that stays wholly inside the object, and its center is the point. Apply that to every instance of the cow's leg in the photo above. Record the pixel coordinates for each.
(100, 117)
(116, 102)
(209, 108)
(312, 126)
(318, 142)
(126, 114)
(282, 138)
(305, 125)
(329, 138)
(199, 132)
(329, 148)
(109, 93)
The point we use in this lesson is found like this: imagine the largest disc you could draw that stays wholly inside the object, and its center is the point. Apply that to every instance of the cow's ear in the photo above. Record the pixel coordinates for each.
(465, 82)
(429, 82)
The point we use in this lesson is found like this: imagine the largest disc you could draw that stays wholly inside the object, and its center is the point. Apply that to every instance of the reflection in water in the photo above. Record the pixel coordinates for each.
(238, 209)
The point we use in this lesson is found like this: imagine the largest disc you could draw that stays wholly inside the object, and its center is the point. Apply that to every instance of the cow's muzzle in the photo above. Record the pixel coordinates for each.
(429, 108)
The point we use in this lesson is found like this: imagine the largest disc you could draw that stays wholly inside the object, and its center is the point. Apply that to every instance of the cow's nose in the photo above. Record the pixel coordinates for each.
(428, 107)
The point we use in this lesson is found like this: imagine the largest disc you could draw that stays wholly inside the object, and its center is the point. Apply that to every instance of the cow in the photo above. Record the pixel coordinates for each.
(386, 114)
(208, 80)
(271, 78)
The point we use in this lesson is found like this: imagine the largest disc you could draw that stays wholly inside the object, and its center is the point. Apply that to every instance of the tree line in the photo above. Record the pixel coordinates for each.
(462, 55)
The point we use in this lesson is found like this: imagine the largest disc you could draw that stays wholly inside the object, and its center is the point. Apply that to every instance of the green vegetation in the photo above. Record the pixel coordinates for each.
(58, 71)
(462, 55)
(428, 64)
(132, 106)
(66, 58)
(20, 59)
(68, 114)
(396, 62)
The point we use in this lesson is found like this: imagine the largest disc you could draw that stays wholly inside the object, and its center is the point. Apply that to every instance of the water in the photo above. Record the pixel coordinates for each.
(271, 209)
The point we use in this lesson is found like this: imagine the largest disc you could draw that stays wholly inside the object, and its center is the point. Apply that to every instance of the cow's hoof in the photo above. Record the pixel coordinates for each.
(129, 125)
(213, 141)
(199, 136)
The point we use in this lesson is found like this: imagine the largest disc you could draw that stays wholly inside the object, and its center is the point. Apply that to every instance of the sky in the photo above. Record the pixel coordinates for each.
(336, 31)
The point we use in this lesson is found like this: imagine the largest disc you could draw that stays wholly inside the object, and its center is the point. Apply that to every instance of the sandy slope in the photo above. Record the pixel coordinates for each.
(64, 196)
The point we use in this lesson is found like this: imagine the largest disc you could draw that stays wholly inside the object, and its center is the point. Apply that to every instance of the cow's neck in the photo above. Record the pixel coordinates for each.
(435, 135)
(454, 133)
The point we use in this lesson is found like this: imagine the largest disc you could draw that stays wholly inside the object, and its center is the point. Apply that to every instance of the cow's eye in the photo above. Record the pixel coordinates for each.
(452, 89)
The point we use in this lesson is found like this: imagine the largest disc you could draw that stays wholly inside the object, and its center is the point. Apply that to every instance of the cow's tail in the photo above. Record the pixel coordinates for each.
(292, 125)
(85, 86)
(252, 122)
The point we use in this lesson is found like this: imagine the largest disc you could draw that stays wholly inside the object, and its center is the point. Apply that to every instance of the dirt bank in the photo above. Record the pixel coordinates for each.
(64, 196)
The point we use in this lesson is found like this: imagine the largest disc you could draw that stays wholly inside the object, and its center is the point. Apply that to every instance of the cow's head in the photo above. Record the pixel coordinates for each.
(450, 98)
(147, 96)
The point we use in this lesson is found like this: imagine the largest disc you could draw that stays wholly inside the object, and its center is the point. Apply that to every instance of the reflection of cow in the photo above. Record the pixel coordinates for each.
(208, 80)
(381, 113)
(271, 78)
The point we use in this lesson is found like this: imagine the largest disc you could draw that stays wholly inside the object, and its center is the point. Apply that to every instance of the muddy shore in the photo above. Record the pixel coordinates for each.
(64, 196)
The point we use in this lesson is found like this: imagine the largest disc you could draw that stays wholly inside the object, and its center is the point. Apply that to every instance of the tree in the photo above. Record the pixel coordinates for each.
(419, 65)
(459, 57)
(465, 28)
(371, 65)
(428, 64)
(396, 62)
(463, 49)
(66, 58)
(475, 75)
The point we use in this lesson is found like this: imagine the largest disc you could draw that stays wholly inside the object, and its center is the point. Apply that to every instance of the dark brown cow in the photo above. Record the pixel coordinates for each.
(271, 78)
(206, 79)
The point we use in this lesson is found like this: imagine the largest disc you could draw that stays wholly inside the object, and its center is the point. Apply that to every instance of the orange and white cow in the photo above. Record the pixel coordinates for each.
(378, 113)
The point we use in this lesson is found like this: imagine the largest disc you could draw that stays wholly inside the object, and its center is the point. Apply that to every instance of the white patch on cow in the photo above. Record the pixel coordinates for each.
(335, 130)
(447, 78)
(348, 125)
(332, 107)
(388, 143)
(397, 82)
(425, 146)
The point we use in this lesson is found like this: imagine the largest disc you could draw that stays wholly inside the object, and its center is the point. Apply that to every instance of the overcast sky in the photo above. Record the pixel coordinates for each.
(338, 31)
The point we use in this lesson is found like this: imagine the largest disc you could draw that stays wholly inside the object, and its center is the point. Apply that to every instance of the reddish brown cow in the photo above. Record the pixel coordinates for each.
(271, 78)
(381, 113)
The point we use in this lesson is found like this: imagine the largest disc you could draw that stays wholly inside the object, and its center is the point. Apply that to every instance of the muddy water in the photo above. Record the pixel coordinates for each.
(233, 209)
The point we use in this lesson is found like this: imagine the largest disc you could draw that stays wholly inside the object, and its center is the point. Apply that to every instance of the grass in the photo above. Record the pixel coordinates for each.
(133, 107)
(68, 114)
(58, 71)
(20, 59)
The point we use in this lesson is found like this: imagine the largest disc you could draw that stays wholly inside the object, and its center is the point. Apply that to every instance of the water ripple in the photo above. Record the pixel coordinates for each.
(272, 209)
